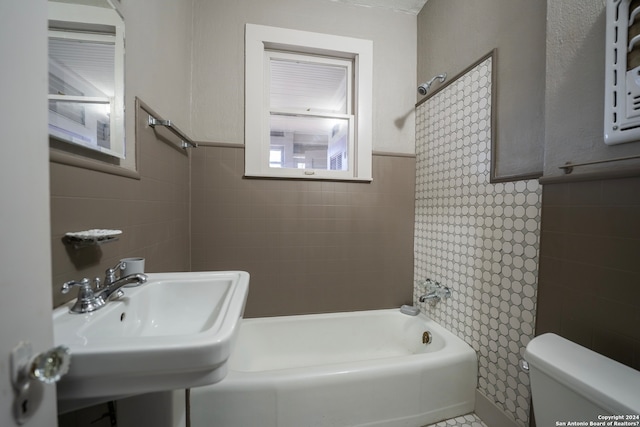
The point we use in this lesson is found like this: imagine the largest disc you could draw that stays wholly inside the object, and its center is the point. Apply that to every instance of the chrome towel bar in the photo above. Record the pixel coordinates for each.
(186, 142)
(568, 167)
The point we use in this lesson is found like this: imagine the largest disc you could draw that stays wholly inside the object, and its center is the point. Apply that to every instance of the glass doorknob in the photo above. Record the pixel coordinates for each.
(48, 367)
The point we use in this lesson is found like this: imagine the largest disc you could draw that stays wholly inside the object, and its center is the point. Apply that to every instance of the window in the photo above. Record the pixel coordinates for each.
(276, 156)
(86, 77)
(307, 105)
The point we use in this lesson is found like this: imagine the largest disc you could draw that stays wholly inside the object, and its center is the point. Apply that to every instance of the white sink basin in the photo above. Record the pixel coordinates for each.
(175, 331)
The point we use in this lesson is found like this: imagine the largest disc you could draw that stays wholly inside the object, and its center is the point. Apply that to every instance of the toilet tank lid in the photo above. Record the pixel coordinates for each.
(614, 386)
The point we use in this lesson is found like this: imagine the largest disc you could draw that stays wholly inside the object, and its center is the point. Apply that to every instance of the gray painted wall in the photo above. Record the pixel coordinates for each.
(453, 34)
(590, 239)
(158, 57)
(218, 62)
(575, 89)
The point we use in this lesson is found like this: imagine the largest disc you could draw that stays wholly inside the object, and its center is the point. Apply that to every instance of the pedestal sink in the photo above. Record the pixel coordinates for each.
(175, 331)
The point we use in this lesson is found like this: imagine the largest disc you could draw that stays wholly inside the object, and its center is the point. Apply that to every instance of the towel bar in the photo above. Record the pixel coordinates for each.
(186, 141)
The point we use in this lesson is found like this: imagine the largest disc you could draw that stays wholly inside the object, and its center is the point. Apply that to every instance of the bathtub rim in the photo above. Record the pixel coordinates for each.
(454, 349)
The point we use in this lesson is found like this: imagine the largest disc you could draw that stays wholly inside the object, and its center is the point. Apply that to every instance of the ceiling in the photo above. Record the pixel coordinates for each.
(406, 6)
(412, 7)
(96, 3)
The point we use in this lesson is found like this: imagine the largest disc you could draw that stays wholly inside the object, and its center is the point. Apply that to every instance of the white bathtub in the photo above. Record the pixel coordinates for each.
(367, 368)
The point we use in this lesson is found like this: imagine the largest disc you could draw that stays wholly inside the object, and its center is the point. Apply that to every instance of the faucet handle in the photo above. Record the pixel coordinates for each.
(66, 286)
(86, 300)
(110, 273)
(431, 285)
(436, 289)
(445, 292)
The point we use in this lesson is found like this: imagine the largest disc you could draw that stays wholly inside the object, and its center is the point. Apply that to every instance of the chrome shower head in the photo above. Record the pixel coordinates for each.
(424, 87)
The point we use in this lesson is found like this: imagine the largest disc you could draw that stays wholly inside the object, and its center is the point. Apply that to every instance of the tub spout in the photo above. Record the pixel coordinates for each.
(430, 296)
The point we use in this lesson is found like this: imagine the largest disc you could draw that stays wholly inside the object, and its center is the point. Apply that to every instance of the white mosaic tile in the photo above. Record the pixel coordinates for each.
(478, 238)
(469, 420)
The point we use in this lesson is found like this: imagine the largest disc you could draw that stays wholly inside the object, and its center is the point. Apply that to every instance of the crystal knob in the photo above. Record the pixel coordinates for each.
(48, 367)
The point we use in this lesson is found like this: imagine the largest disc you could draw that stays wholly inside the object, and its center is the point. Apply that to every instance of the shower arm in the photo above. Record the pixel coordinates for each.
(440, 77)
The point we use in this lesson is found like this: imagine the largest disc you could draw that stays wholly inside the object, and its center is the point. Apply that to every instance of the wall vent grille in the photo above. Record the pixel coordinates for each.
(622, 73)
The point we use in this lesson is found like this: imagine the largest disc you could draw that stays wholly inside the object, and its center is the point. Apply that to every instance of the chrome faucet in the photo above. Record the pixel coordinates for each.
(113, 289)
(90, 299)
(430, 296)
(435, 291)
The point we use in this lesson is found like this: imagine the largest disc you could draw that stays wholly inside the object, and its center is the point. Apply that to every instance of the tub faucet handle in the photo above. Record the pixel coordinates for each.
(431, 285)
(427, 283)
(445, 292)
(435, 291)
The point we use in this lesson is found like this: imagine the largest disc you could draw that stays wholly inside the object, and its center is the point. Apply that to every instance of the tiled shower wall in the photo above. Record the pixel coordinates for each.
(589, 271)
(310, 246)
(478, 238)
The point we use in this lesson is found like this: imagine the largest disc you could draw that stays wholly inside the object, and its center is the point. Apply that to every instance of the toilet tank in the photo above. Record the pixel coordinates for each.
(570, 383)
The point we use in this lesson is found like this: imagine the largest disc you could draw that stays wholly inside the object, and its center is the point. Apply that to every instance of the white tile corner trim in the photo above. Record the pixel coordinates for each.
(478, 238)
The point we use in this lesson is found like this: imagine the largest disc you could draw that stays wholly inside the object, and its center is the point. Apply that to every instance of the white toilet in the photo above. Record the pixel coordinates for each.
(572, 383)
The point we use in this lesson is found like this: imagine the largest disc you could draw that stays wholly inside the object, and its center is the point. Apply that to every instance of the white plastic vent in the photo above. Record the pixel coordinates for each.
(622, 73)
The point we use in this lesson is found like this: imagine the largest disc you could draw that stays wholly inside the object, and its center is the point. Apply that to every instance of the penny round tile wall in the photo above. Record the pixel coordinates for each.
(478, 238)
(469, 420)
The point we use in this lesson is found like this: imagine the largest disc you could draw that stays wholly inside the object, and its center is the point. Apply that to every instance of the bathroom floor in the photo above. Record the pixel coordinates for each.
(469, 420)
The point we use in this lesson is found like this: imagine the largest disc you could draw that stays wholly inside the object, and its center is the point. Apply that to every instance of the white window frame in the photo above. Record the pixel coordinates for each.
(79, 22)
(260, 38)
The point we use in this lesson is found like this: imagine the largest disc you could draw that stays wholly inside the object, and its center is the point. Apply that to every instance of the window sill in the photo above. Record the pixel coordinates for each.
(301, 177)
(61, 157)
